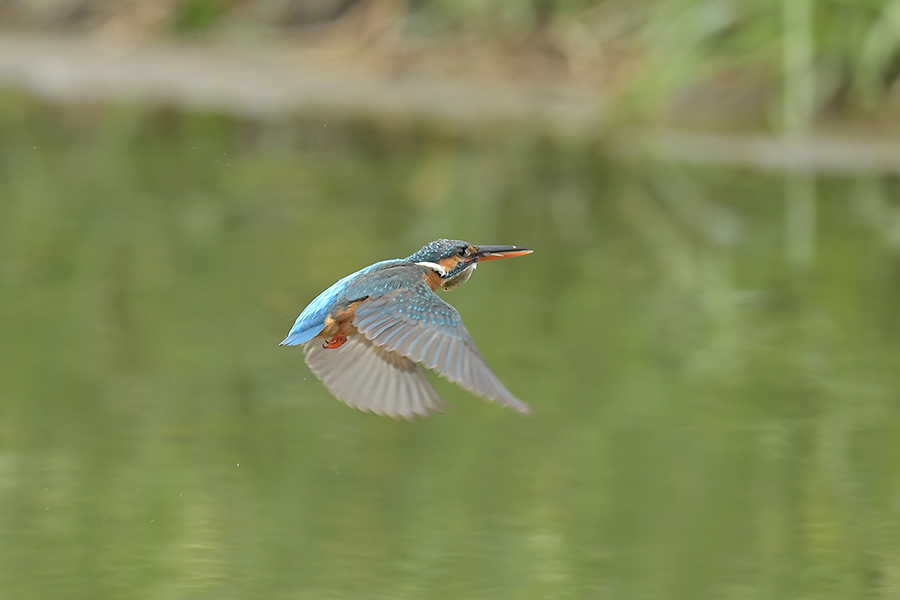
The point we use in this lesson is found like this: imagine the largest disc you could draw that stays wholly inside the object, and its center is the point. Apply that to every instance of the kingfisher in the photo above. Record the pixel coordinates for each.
(366, 336)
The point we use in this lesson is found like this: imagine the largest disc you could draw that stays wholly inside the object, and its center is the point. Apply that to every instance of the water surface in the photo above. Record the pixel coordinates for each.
(712, 419)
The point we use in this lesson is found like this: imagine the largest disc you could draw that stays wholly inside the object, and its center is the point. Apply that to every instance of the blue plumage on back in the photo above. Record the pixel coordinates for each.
(352, 287)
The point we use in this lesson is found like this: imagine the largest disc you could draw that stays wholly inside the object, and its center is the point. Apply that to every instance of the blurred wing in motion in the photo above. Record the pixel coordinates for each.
(413, 322)
(373, 379)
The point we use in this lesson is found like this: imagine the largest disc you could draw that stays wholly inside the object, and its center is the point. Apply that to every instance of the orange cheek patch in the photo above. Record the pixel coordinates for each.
(450, 263)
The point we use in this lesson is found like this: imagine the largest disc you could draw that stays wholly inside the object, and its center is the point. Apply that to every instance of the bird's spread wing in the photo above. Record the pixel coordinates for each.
(373, 379)
(413, 322)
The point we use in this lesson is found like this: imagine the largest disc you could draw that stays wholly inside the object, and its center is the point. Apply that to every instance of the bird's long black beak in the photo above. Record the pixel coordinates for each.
(495, 252)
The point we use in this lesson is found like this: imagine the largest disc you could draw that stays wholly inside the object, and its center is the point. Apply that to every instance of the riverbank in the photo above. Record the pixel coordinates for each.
(276, 81)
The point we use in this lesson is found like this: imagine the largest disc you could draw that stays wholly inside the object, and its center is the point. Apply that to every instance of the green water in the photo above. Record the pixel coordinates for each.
(712, 421)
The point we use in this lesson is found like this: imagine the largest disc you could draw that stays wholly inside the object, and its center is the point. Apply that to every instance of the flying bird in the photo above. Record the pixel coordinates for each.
(366, 336)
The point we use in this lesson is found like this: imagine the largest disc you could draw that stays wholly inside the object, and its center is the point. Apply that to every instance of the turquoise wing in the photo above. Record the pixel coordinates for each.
(416, 324)
(401, 322)
(371, 281)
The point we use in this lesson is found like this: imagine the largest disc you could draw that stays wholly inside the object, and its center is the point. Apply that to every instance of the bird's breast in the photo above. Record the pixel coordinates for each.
(341, 321)
(433, 279)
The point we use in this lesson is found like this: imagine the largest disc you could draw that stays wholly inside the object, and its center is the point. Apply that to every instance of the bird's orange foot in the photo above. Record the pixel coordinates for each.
(335, 342)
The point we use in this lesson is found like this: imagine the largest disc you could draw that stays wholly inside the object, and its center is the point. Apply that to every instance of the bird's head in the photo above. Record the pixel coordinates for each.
(454, 260)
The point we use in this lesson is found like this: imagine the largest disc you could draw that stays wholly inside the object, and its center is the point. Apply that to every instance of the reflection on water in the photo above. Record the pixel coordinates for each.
(711, 423)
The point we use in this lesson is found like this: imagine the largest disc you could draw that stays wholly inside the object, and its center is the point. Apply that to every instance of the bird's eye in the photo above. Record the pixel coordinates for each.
(462, 252)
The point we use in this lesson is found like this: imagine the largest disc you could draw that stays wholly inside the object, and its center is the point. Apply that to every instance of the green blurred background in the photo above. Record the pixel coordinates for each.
(713, 353)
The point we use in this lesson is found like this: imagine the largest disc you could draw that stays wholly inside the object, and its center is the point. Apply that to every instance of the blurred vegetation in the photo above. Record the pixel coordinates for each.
(722, 60)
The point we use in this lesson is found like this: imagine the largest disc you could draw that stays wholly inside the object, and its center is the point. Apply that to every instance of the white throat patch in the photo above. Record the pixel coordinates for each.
(439, 269)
